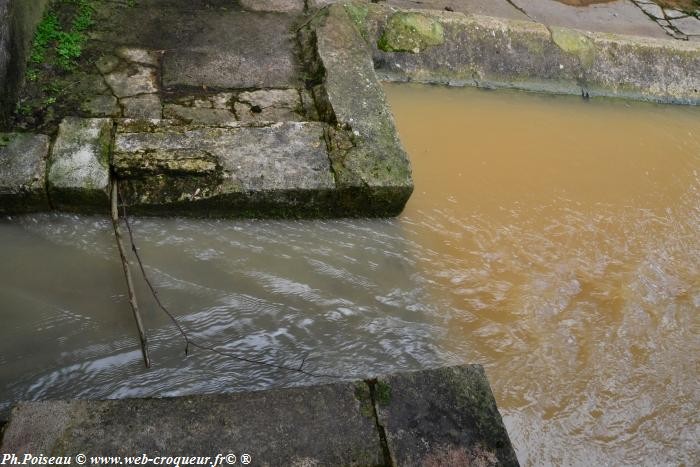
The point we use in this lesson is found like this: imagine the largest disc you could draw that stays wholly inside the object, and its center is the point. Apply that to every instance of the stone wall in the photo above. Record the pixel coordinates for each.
(18, 21)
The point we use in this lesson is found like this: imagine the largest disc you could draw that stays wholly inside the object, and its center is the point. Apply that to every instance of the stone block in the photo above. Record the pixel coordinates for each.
(23, 172)
(78, 174)
(370, 164)
(145, 106)
(320, 425)
(446, 416)
(273, 170)
(286, 6)
(237, 50)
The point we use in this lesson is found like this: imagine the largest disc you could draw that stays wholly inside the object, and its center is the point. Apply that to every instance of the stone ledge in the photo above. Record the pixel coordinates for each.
(494, 52)
(405, 419)
(280, 169)
(23, 172)
(372, 169)
(78, 171)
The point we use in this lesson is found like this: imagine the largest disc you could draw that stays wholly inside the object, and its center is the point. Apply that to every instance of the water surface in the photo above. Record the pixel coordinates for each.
(553, 240)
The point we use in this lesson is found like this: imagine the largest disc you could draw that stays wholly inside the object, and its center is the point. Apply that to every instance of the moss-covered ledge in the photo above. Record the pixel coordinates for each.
(456, 49)
(371, 168)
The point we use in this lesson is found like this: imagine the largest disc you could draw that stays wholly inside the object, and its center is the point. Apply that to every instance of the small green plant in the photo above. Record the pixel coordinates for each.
(67, 44)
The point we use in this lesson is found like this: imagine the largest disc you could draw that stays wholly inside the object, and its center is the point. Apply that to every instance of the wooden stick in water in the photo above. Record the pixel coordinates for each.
(127, 274)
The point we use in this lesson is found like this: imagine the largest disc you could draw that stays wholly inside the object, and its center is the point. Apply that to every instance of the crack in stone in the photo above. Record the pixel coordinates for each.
(388, 461)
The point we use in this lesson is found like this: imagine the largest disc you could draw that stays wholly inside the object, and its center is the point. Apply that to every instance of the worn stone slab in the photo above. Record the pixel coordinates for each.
(372, 169)
(132, 80)
(236, 50)
(78, 173)
(688, 25)
(446, 416)
(196, 114)
(618, 17)
(321, 425)
(274, 170)
(145, 106)
(101, 105)
(296, 6)
(440, 417)
(498, 8)
(273, 105)
(493, 52)
(23, 172)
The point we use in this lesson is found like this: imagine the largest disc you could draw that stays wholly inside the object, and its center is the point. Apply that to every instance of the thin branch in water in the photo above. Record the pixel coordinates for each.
(188, 341)
(127, 275)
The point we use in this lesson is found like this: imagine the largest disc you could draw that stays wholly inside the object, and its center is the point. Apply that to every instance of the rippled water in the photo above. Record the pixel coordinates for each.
(554, 240)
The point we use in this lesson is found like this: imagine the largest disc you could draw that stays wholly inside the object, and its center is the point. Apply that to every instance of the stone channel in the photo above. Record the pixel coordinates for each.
(275, 110)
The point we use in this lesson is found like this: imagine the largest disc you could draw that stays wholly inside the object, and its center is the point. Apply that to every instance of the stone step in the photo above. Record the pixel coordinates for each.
(446, 416)
(229, 170)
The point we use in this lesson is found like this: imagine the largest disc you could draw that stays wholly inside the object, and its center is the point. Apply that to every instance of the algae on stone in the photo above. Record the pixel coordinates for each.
(411, 32)
(78, 175)
(575, 43)
(22, 172)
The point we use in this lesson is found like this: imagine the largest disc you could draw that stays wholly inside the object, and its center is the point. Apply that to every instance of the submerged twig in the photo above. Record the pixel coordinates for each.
(127, 274)
(188, 341)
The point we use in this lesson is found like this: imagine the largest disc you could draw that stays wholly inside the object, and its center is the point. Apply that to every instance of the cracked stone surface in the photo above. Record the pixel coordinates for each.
(268, 167)
(458, 424)
(102, 106)
(78, 173)
(140, 56)
(132, 81)
(195, 114)
(296, 6)
(676, 24)
(276, 105)
(688, 25)
(144, 106)
(310, 426)
(22, 172)
(620, 17)
(444, 417)
(231, 53)
(498, 8)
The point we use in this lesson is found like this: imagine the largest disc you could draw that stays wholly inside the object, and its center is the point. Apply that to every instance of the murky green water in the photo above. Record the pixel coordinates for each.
(555, 241)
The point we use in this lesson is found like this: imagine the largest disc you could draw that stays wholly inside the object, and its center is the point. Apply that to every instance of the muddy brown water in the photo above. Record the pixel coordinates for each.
(555, 241)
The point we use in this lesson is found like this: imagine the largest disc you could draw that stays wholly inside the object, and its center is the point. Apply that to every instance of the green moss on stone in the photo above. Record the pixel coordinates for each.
(364, 396)
(358, 15)
(411, 32)
(574, 43)
(382, 393)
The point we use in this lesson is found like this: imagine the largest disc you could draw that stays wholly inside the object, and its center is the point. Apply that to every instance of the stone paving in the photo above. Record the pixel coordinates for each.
(441, 417)
(272, 108)
(633, 17)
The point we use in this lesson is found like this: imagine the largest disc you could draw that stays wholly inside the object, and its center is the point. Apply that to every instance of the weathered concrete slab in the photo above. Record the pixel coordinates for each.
(236, 50)
(618, 17)
(321, 425)
(494, 52)
(23, 172)
(280, 169)
(275, 105)
(296, 6)
(443, 417)
(497, 8)
(371, 167)
(78, 173)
